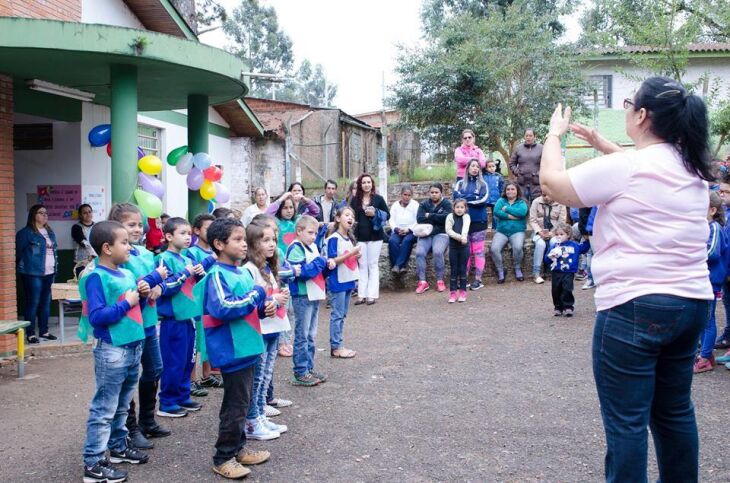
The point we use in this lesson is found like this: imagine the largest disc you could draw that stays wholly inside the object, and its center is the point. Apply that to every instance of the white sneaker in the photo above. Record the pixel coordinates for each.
(272, 426)
(539, 279)
(255, 429)
(281, 403)
(589, 285)
(270, 411)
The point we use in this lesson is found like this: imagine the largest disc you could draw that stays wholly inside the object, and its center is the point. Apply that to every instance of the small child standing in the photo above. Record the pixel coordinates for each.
(563, 253)
(495, 184)
(178, 308)
(341, 280)
(110, 298)
(457, 227)
(200, 253)
(232, 305)
(307, 289)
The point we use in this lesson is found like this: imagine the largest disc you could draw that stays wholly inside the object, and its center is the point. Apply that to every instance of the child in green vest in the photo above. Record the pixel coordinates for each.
(232, 305)
(110, 300)
(200, 253)
(178, 309)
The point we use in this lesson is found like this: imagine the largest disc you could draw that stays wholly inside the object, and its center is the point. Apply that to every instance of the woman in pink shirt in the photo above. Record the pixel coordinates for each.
(466, 152)
(653, 295)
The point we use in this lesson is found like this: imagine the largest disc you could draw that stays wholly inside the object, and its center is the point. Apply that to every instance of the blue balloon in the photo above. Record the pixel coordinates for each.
(202, 161)
(211, 207)
(100, 135)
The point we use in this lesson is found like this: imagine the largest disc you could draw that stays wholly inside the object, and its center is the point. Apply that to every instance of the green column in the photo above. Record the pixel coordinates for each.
(124, 132)
(197, 143)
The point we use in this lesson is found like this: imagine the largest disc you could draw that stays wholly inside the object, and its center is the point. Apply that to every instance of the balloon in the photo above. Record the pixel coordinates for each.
(222, 195)
(195, 179)
(202, 160)
(176, 154)
(140, 153)
(150, 164)
(151, 185)
(213, 173)
(100, 135)
(207, 190)
(150, 204)
(211, 207)
(184, 164)
(109, 149)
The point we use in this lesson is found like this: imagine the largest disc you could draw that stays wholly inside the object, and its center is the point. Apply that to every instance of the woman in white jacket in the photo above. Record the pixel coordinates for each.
(402, 220)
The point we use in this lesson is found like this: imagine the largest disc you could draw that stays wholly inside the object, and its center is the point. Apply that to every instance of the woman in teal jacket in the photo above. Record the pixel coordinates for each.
(511, 210)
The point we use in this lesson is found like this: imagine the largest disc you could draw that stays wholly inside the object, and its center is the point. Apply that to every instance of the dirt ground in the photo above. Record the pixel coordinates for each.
(495, 389)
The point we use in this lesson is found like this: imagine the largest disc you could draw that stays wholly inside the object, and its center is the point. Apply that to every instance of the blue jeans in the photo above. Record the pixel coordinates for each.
(437, 244)
(400, 248)
(538, 254)
(726, 303)
(262, 375)
(643, 352)
(340, 306)
(516, 240)
(177, 345)
(306, 313)
(37, 292)
(710, 333)
(117, 372)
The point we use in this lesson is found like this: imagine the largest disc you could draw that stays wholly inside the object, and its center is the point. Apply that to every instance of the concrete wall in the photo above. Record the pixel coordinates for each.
(268, 166)
(109, 12)
(243, 153)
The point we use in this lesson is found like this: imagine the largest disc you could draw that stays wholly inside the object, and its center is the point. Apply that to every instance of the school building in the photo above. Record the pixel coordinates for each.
(67, 66)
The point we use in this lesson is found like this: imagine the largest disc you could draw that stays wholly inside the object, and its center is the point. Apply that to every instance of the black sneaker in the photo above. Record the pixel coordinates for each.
(191, 405)
(156, 431)
(33, 340)
(136, 439)
(476, 285)
(196, 390)
(49, 336)
(129, 455)
(102, 472)
(174, 412)
(211, 381)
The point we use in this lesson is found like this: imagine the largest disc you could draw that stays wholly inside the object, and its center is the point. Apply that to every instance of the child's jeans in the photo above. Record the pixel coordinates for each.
(262, 375)
(710, 332)
(458, 257)
(236, 396)
(177, 345)
(306, 313)
(563, 290)
(117, 371)
(340, 306)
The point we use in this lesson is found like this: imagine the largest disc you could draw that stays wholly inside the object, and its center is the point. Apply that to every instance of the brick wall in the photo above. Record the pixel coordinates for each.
(50, 9)
(8, 309)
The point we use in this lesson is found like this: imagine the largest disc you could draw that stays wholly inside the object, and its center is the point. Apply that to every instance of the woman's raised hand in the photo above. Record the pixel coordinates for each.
(594, 138)
(560, 120)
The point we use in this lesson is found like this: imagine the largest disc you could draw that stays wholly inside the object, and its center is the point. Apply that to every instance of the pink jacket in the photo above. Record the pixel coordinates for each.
(464, 154)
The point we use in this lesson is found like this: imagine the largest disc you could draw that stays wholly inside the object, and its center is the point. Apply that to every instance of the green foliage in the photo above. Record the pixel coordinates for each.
(496, 75)
(720, 125)
(310, 86)
(208, 12)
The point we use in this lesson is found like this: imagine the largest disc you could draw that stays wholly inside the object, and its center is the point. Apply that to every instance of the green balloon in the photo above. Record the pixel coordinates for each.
(150, 204)
(176, 154)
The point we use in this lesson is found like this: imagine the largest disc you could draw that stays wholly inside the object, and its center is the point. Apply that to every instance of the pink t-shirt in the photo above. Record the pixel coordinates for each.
(651, 230)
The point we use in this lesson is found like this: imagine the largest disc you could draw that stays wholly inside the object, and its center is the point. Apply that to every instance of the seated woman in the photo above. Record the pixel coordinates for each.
(402, 220)
(511, 211)
(432, 211)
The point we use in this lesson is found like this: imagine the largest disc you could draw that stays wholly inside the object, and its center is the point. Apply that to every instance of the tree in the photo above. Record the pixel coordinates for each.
(310, 86)
(208, 12)
(496, 75)
(720, 125)
(258, 40)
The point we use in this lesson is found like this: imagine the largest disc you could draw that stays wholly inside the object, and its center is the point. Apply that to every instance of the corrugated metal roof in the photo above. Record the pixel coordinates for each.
(640, 49)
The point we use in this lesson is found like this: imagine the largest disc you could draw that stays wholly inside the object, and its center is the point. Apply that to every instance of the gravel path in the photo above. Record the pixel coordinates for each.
(495, 389)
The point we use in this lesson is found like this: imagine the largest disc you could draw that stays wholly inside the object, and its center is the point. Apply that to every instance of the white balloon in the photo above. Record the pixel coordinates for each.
(184, 164)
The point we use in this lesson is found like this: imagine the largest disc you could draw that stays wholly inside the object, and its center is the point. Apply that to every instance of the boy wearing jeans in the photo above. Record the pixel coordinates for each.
(111, 306)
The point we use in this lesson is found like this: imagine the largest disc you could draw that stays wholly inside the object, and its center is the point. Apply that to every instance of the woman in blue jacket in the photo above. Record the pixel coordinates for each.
(476, 193)
(36, 257)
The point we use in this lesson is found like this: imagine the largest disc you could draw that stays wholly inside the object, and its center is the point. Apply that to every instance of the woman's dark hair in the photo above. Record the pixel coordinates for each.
(256, 191)
(438, 186)
(297, 183)
(281, 208)
(679, 118)
(222, 212)
(84, 205)
(254, 235)
(517, 187)
(716, 202)
(358, 194)
(31, 218)
(221, 229)
(406, 187)
(104, 232)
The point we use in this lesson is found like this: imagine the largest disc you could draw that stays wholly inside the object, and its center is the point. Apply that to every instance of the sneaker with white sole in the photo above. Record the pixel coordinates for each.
(539, 279)
(271, 411)
(255, 429)
(589, 285)
(172, 412)
(280, 403)
(272, 426)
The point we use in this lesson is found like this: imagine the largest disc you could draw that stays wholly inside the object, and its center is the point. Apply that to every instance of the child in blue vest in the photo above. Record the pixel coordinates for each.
(232, 305)
(495, 186)
(178, 308)
(142, 265)
(110, 299)
(563, 254)
(201, 253)
(306, 291)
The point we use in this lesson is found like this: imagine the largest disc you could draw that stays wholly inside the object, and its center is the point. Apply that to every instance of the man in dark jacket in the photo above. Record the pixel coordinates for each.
(525, 165)
(327, 202)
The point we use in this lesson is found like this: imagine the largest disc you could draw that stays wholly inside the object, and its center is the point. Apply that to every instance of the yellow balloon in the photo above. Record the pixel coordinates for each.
(207, 190)
(150, 164)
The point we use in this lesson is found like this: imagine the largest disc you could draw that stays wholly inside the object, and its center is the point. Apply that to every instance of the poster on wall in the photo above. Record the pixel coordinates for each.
(95, 195)
(61, 200)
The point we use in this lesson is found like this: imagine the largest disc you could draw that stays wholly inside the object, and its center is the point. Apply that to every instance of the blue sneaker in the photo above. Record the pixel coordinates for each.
(191, 405)
(723, 359)
(171, 412)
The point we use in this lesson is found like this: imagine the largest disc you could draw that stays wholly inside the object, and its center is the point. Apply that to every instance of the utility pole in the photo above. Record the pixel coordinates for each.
(383, 155)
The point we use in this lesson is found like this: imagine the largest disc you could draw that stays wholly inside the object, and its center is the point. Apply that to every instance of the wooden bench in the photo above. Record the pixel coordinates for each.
(14, 328)
(69, 301)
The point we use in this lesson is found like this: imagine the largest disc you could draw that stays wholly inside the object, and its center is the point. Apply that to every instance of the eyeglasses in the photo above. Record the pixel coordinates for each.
(628, 103)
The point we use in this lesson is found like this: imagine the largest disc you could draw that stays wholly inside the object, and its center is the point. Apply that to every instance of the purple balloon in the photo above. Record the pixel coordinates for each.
(195, 179)
(151, 184)
(140, 153)
(222, 195)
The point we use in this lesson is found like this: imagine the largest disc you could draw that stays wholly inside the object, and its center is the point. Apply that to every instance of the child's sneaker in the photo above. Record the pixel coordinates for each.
(270, 411)
(250, 457)
(211, 381)
(704, 365)
(232, 470)
(256, 429)
(272, 426)
(172, 412)
(422, 287)
(136, 439)
(191, 405)
(102, 472)
(440, 286)
(319, 375)
(462, 296)
(476, 285)
(129, 455)
(306, 380)
(589, 285)
(557, 313)
(539, 279)
(581, 275)
(723, 359)
(196, 390)
(568, 312)
(280, 403)
(452, 297)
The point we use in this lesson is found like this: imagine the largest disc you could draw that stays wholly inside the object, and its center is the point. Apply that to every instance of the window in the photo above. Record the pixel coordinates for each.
(148, 138)
(601, 91)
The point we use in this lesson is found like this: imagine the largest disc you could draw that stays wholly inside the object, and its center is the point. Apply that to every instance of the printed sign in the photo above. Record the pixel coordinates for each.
(61, 200)
(96, 197)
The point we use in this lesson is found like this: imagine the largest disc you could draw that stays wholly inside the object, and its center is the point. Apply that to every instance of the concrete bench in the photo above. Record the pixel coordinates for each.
(12, 342)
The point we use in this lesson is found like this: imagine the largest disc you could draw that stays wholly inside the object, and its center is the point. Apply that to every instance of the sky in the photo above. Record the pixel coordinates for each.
(356, 42)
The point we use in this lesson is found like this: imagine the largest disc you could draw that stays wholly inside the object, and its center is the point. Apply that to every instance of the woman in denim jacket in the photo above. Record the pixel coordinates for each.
(37, 261)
